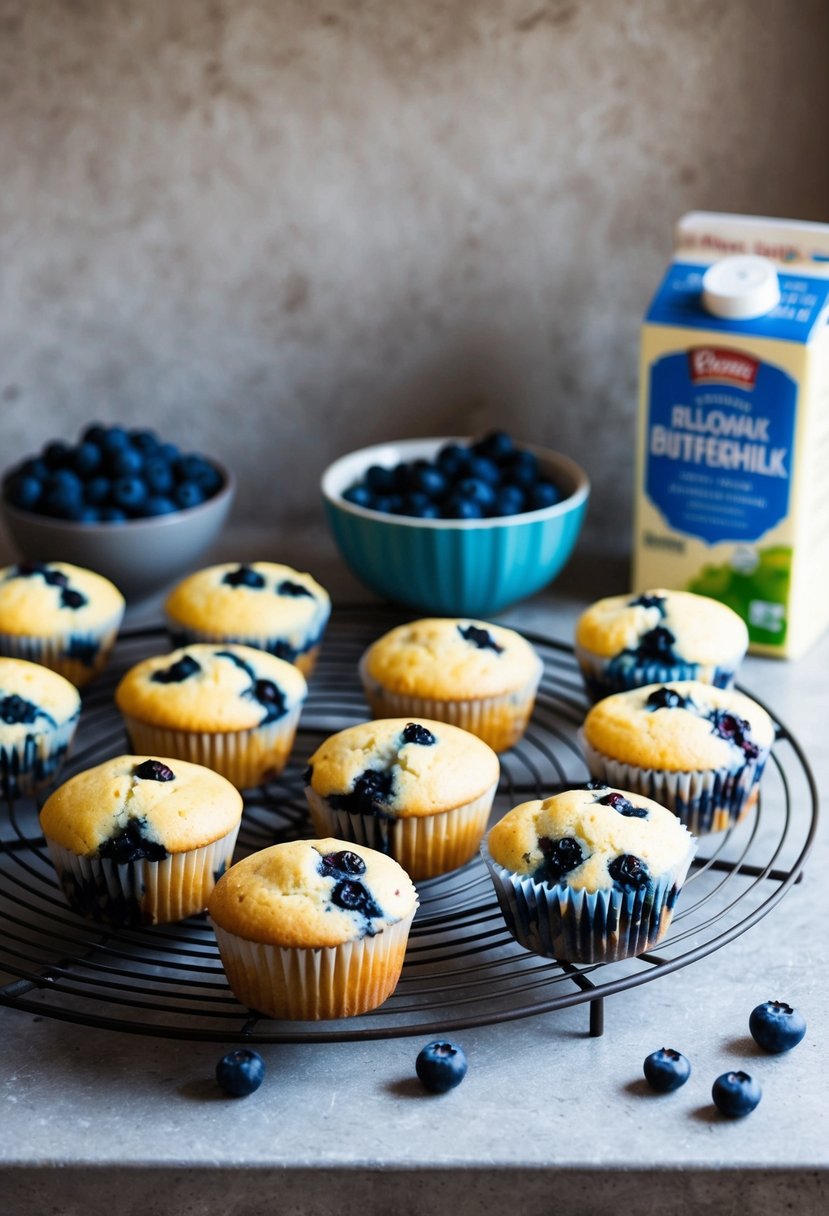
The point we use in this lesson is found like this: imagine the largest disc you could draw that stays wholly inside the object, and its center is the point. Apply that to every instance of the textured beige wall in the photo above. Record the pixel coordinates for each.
(279, 230)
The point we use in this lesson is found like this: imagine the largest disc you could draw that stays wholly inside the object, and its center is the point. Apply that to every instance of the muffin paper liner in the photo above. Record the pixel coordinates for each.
(305, 654)
(143, 892)
(79, 657)
(706, 801)
(424, 845)
(579, 926)
(305, 984)
(35, 761)
(500, 721)
(245, 757)
(603, 677)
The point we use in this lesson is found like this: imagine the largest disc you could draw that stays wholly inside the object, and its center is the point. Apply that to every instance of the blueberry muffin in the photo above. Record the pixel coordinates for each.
(626, 641)
(697, 749)
(480, 677)
(140, 839)
(264, 604)
(588, 875)
(419, 791)
(232, 708)
(313, 929)
(59, 615)
(39, 713)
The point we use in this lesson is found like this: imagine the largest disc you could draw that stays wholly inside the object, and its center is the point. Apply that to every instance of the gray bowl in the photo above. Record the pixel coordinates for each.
(140, 556)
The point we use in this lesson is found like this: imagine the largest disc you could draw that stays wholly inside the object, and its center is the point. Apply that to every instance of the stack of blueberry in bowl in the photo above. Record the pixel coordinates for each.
(455, 526)
(125, 503)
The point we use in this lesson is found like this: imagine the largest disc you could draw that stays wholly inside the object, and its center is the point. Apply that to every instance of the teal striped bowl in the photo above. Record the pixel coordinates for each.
(453, 567)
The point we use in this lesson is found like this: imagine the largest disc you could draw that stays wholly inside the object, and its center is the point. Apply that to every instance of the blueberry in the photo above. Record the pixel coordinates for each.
(144, 441)
(70, 598)
(666, 1070)
(157, 504)
(560, 857)
(85, 459)
(129, 493)
(371, 793)
(649, 601)
(458, 507)
(776, 1026)
(97, 491)
(736, 1094)
(25, 492)
(351, 895)
(380, 480)
(429, 480)
(153, 770)
(734, 730)
(240, 1072)
(244, 576)
(509, 500)
(623, 806)
(441, 1066)
(132, 843)
(475, 489)
(61, 502)
(420, 506)
(542, 495)
(293, 589)
(270, 696)
(487, 471)
(666, 698)
(56, 454)
(94, 433)
(413, 732)
(15, 710)
(344, 862)
(114, 438)
(359, 495)
(657, 645)
(480, 638)
(125, 462)
(628, 872)
(187, 494)
(112, 515)
(495, 445)
(453, 460)
(207, 477)
(158, 475)
(182, 669)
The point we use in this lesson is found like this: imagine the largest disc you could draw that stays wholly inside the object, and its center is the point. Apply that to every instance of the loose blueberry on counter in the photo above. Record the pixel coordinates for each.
(441, 1066)
(480, 638)
(666, 1070)
(623, 806)
(560, 857)
(240, 1072)
(153, 770)
(243, 576)
(628, 872)
(776, 1026)
(182, 669)
(413, 732)
(736, 1094)
(666, 698)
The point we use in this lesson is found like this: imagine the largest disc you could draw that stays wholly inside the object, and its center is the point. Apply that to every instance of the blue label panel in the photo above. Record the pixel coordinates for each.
(719, 457)
(802, 302)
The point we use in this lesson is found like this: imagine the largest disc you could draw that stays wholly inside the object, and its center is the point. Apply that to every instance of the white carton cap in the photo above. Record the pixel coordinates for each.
(741, 287)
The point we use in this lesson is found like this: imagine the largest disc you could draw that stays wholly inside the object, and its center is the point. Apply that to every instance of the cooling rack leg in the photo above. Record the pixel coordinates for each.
(597, 1017)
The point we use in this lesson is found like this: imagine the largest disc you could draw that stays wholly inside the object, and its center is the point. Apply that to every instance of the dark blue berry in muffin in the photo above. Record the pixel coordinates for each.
(628, 872)
(413, 732)
(132, 843)
(736, 730)
(560, 857)
(371, 794)
(243, 576)
(16, 710)
(270, 696)
(666, 1070)
(776, 1026)
(153, 770)
(354, 897)
(666, 698)
(296, 590)
(736, 1094)
(343, 862)
(623, 805)
(240, 1072)
(649, 601)
(657, 645)
(480, 638)
(182, 669)
(441, 1066)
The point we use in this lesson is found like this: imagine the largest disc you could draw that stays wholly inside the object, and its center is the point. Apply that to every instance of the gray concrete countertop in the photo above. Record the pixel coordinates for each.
(547, 1119)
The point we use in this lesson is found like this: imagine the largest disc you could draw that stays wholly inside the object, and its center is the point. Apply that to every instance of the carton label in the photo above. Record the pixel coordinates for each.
(719, 443)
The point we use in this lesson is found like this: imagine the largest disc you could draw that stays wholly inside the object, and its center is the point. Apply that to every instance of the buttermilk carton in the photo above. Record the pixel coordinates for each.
(732, 470)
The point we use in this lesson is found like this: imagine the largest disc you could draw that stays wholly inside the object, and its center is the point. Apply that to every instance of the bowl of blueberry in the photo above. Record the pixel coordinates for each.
(455, 526)
(122, 502)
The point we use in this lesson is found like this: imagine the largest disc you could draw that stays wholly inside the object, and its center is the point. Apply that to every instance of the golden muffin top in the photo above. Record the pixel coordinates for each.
(410, 768)
(701, 630)
(211, 686)
(40, 599)
(252, 600)
(449, 659)
(683, 726)
(592, 839)
(140, 806)
(312, 894)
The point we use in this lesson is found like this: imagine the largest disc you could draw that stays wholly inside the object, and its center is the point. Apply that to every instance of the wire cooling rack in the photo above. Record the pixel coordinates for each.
(462, 967)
